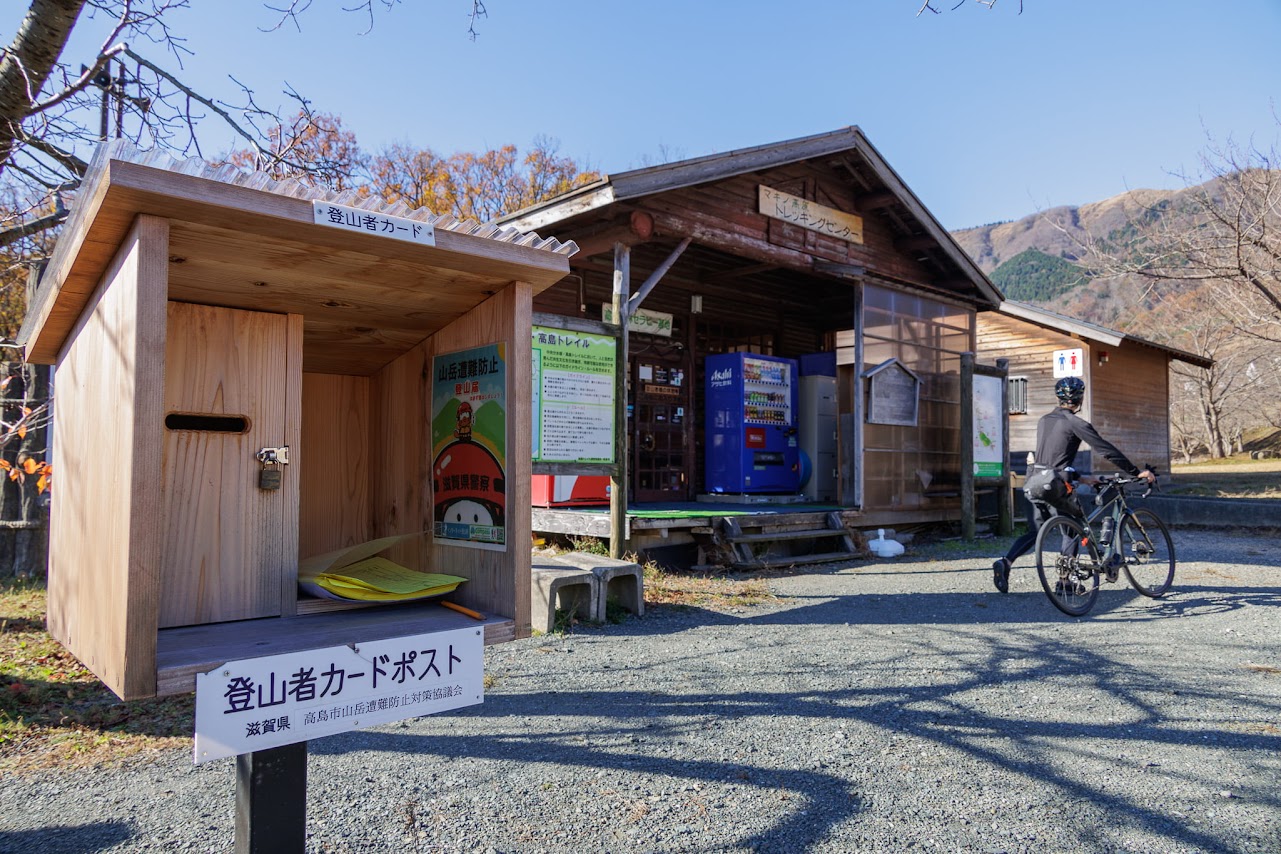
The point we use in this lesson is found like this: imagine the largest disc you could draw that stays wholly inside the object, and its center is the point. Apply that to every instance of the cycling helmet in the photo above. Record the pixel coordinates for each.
(1070, 390)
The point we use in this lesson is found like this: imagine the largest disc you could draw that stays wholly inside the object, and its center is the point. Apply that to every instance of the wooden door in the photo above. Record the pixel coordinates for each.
(224, 555)
(662, 453)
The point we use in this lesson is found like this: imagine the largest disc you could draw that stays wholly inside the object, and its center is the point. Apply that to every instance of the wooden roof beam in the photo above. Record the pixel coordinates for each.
(915, 243)
(841, 271)
(875, 202)
(657, 276)
(639, 228)
(708, 230)
(736, 273)
(856, 173)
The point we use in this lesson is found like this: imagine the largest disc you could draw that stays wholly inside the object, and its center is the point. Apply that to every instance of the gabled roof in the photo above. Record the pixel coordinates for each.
(245, 240)
(638, 183)
(1092, 332)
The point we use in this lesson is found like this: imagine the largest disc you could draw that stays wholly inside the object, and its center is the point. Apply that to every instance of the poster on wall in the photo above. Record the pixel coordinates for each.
(989, 412)
(573, 396)
(469, 447)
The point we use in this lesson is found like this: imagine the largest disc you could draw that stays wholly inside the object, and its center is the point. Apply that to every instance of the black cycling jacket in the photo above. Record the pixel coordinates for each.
(1059, 434)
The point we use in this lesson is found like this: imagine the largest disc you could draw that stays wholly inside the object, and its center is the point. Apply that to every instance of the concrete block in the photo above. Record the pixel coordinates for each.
(620, 580)
(572, 589)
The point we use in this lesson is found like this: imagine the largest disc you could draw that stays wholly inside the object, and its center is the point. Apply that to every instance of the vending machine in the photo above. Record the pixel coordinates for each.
(751, 436)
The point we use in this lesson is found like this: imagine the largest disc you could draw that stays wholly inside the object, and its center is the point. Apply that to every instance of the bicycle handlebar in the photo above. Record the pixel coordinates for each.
(1120, 480)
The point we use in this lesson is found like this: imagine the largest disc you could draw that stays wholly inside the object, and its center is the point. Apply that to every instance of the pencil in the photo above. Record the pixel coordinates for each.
(460, 609)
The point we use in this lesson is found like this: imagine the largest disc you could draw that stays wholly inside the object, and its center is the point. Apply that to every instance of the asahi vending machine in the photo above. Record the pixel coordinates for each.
(751, 441)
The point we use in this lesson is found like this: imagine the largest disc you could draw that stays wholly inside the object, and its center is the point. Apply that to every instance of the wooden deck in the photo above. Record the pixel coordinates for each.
(696, 525)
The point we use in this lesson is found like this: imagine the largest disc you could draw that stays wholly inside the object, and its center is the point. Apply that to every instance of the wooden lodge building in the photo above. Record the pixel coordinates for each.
(812, 249)
(1127, 381)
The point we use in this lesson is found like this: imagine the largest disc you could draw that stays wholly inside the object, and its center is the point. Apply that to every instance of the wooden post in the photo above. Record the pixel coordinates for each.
(1005, 500)
(856, 458)
(967, 446)
(618, 482)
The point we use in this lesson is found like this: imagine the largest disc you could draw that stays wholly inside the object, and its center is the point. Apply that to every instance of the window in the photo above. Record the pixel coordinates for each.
(1016, 388)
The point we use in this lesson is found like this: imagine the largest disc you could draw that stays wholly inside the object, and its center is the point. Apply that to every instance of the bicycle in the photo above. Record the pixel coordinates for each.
(1070, 557)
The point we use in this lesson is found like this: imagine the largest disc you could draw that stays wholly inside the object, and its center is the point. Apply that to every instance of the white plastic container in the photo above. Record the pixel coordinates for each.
(882, 547)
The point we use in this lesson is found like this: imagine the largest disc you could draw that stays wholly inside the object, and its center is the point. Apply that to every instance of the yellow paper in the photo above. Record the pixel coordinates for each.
(382, 575)
(377, 579)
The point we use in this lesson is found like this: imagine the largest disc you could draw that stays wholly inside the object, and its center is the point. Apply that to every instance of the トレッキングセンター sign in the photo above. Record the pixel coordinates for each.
(250, 705)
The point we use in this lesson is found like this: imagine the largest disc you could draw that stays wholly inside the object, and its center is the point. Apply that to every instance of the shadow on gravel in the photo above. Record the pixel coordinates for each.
(67, 839)
(829, 799)
(1050, 739)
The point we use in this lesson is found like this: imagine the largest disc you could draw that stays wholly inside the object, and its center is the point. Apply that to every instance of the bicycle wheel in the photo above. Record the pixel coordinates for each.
(1071, 581)
(1148, 553)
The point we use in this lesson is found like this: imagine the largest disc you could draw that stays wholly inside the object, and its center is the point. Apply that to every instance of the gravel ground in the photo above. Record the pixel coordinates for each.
(876, 706)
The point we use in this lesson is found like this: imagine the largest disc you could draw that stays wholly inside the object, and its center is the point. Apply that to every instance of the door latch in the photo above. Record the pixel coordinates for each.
(273, 456)
(272, 459)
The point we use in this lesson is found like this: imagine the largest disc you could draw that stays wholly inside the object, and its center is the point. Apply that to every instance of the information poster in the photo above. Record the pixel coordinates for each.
(573, 395)
(989, 412)
(469, 447)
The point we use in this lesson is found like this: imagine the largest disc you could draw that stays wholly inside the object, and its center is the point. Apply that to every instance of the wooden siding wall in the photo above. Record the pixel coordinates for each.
(401, 499)
(1030, 349)
(732, 206)
(333, 463)
(1127, 397)
(1130, 394)
(105, 544)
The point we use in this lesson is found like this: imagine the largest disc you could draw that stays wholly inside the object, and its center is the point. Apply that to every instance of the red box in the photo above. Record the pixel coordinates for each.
(569, 490)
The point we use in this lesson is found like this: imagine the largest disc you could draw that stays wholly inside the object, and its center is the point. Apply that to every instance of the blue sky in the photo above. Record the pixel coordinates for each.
(988, 115)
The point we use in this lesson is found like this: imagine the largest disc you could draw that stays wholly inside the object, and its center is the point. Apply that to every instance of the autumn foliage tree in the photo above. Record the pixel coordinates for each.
(475, 186)
(311, 147)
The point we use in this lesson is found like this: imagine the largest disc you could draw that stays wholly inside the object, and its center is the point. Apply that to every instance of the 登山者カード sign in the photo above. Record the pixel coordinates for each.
(258, 703)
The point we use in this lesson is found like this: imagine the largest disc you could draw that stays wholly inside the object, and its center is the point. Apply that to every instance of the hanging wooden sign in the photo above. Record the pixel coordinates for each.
(811, 215)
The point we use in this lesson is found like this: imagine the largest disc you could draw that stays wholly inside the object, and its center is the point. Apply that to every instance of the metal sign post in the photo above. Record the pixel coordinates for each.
(271, 800)
(264, 710)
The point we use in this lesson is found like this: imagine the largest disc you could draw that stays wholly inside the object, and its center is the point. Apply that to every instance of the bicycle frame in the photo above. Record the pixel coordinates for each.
(1072, 580)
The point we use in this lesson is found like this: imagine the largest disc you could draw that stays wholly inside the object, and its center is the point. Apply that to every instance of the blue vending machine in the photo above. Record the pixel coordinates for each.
(751, 441)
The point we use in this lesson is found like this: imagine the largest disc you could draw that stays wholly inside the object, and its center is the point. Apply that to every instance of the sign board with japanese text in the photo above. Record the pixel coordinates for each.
(469, 447)
(257, 703)
(1069, 363)
(893, 394)
(646, 322)
(989, 414)
(811, 215)
(573, 396)
(371, 222)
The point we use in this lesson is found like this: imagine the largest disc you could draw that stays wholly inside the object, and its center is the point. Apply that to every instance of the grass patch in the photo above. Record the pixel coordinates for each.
(54, 712)
(716, 591)
(1233, 477)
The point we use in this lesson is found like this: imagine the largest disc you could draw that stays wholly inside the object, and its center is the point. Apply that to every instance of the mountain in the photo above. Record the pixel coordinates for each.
(1034, 259)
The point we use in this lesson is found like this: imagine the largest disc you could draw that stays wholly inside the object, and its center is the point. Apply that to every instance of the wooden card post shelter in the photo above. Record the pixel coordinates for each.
(245, 375)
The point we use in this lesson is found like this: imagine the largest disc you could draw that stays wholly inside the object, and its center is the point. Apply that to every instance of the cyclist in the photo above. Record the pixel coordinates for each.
(1050, 481)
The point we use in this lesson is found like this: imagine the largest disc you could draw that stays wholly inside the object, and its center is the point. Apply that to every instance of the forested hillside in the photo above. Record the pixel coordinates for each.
(1033, 276)
(1193, 269)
